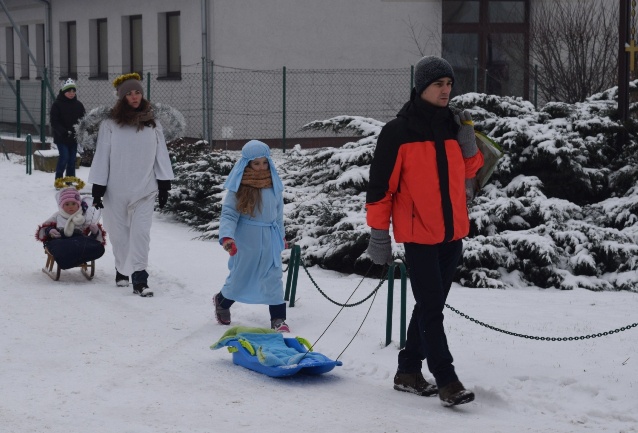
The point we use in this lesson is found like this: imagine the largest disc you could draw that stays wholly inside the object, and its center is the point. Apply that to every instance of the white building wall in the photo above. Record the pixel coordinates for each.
(115, 12)
(242, 34)
(268, 34)
(327, 34)
(24, 13)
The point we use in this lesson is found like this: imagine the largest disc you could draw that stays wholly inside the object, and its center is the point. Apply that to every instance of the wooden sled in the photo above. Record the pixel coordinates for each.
(55, 275)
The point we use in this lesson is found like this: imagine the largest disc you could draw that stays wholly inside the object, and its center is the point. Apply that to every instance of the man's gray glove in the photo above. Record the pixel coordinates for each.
(465, 136)
(471, 187)
(380, 247)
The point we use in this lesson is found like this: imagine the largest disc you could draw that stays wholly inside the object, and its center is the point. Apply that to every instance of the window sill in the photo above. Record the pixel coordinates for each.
(170, 78)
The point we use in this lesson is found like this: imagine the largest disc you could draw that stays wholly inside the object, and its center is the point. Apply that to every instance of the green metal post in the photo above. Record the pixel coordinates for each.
(293, 272)
(204, 106)
(291, 265)
(211, 102)
(404, 286)
(148, 86)
(388, 320)
(296, 251)
(29, 153)
(18, 121)
(45, 80)
(536, 86)
(411, 77)
(485, 81)
(43, 111)
(48, 83)
(283, 141)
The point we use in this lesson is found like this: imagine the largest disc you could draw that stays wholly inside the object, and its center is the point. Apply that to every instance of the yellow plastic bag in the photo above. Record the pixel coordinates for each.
(492, 152)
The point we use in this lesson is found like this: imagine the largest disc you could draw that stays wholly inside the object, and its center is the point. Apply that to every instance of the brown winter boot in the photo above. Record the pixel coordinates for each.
(414, 383)
(455, 393)
(221, 314)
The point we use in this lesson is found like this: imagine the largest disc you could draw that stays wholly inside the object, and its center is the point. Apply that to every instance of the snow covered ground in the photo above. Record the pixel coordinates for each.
(87, 356)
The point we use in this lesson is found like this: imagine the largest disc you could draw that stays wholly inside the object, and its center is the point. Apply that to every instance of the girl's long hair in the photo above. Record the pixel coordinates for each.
(248, 199)
(124, 114)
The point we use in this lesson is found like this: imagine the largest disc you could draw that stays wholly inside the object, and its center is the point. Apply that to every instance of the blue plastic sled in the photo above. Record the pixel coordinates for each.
(268, 352)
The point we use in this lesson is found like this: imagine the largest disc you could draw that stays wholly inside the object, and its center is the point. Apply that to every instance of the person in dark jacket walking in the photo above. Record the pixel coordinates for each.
(66, 111)
(421, 164)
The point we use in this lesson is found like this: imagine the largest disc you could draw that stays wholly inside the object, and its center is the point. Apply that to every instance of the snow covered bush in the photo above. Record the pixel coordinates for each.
(326, 212)
(559, 212)
(197, 193)
(561, 209)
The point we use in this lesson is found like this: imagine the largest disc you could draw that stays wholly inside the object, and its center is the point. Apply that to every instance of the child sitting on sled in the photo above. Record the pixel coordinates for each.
(70, 234)
(251, 229)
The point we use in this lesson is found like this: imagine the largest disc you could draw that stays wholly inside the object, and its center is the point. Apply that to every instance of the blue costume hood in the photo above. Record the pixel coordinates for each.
(252, 150)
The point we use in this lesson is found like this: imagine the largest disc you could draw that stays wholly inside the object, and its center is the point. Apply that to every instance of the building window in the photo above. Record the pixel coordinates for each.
(68, 50)
(40, 52)
(487, 42)
(24, 53)
(506, 12)
(505, 64)
(98, 40)
(136, 44)
(170, 61)
(174, 60)
(461, 50)
(10, 53)
(461, 11)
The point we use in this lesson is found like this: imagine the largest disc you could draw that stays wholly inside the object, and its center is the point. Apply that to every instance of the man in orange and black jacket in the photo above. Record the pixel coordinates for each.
(423, 160)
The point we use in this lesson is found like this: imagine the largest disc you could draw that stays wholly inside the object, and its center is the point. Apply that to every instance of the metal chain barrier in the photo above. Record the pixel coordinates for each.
(532, 337)
(295, 261)
(354, 304)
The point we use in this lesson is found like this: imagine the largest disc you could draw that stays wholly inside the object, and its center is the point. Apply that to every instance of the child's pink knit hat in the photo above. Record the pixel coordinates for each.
(69, 194)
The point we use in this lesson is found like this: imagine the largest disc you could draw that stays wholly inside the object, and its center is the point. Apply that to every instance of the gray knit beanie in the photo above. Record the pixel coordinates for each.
(127, 82)
(428, 70)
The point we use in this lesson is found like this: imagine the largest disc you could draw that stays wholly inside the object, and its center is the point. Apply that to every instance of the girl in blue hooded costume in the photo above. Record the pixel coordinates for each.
(251, 229)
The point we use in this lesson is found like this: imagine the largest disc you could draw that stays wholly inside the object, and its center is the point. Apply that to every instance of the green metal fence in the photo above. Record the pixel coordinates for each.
(240, 104)
(277, 103)
(222, 104)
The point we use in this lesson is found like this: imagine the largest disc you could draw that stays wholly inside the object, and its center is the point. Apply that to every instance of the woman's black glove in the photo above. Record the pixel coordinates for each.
(98, 192)
(162, 196)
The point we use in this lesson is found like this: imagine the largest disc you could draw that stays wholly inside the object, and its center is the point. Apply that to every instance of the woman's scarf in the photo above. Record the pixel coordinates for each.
(256, 179)
(140, 118)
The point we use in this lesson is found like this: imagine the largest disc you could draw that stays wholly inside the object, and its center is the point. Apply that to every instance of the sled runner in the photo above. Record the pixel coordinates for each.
(55, 275)
(268, 352)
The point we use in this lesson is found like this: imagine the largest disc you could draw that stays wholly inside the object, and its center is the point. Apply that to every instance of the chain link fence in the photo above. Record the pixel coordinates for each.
(277, 103)
(242, 104)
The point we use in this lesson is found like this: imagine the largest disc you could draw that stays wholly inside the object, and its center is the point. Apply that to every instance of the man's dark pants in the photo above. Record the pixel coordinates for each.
(431, 269)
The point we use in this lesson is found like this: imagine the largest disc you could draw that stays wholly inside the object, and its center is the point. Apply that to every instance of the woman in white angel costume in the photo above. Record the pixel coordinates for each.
(131, 167)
